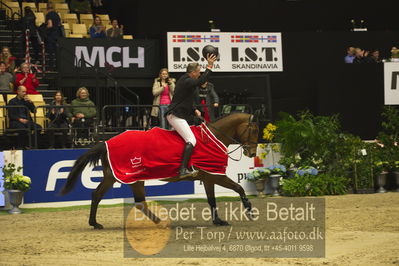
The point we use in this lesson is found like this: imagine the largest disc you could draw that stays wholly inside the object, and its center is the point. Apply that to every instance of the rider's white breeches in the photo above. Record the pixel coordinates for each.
(182, 127)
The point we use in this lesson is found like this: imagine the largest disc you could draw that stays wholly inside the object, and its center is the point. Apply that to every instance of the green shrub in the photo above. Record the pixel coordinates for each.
(309, 185)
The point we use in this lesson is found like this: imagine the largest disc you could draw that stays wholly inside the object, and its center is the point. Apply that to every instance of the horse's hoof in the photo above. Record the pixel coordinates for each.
(250, 215)
(97, 226)
(220, 222)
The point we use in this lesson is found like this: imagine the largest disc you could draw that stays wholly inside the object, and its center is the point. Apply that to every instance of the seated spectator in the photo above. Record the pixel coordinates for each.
(83, 113)
(97, 30)
(20, 117)
(8, 59)
(206, 97)
(350, 55)
(6, 79)
(26, 79)
(115, 32)
(58, 120)
(375, 56)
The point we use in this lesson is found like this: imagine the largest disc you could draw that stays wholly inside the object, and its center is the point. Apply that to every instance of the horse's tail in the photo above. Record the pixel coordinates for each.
(92, 156)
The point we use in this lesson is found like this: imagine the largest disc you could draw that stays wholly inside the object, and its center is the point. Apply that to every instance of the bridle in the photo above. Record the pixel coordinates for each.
(244, 145)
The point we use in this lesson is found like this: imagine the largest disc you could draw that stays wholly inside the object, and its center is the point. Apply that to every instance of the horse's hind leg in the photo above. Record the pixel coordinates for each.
(98, 194)
(139, 199)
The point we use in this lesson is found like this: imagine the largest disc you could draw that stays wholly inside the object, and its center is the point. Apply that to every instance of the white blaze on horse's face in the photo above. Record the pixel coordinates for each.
(248, 133)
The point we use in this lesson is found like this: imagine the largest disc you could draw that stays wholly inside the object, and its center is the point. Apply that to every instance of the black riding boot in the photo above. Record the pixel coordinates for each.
(184, 171)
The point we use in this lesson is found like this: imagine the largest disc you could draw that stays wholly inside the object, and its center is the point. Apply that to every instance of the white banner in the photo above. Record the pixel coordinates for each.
(391, 83)
(239, 51)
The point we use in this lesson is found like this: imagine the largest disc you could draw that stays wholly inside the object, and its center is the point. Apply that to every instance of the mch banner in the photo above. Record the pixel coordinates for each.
(120, 58)
(239, 51)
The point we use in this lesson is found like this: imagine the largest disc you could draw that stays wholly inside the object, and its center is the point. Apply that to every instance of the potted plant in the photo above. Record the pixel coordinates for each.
(258, 177)
(15, 184)
(394, 54)
(277, 171)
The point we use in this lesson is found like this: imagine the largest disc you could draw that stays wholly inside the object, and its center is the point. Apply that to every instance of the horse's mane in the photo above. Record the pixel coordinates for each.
(234, 113)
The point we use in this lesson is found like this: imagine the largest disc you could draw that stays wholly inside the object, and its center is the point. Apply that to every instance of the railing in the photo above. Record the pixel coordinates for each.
(116, 89)
(115, 119)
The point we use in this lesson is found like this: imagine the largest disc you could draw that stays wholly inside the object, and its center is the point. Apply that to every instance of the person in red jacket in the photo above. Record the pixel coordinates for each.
(26, 79)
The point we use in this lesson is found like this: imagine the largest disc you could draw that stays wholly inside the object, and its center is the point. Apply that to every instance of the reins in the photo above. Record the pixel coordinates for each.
(241, 145)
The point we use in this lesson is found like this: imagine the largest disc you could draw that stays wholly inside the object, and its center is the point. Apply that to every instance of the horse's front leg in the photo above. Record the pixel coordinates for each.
(226, 182)
(210, 193)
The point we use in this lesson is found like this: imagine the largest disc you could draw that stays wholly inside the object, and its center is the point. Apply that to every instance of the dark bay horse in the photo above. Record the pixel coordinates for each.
(236, 128)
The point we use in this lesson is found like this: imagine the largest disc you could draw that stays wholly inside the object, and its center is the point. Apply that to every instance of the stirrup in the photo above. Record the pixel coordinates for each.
(187, 173)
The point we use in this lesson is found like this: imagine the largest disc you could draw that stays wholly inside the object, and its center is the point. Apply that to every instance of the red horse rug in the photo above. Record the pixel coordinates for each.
(156, 154)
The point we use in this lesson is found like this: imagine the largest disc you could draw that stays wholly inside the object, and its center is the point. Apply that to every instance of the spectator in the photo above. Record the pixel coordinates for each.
(53, 26)
(350, 55)
(83, 113)
(8, 59)
(80, 7)
(29, 27)
(97, 30)
(375, 56)
(115, 32)
(360, 56)
(58, 119)
(163, 90)
(206, 97)
(26, 79)
(6, 79)
(20, 117)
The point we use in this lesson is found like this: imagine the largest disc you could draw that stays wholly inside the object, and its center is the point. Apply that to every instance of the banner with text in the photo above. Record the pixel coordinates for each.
(239, 52)
(391, 83)
(119, 58)
(2, 203)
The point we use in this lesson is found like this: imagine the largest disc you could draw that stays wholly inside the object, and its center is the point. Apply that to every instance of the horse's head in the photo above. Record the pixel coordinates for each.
(247, 133)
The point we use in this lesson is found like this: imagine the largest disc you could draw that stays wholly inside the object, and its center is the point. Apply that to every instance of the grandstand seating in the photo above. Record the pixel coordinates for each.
(14, 8)
(39, 18)
(80, 29)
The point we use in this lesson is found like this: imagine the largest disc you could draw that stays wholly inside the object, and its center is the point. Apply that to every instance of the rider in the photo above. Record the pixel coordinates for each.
(181, 108)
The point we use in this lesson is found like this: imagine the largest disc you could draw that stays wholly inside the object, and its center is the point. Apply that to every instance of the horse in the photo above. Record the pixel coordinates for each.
(236, 128)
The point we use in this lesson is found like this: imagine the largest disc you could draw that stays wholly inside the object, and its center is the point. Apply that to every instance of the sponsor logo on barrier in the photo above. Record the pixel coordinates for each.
(55, 166)
(104, 55)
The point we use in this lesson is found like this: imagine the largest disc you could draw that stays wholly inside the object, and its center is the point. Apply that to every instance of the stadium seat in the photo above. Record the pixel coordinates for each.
(79, 29)
(86, 19)
(42, 7)
(31, 5)
(61, 8)
(104, 18)
(128, 37)
(57, 1)
(70, 19)
(39, 18)
(75, 35)
(67, 29)
(14, 7)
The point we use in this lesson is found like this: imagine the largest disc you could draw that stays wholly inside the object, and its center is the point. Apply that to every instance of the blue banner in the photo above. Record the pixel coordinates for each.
(48, 170)
(2, 203)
